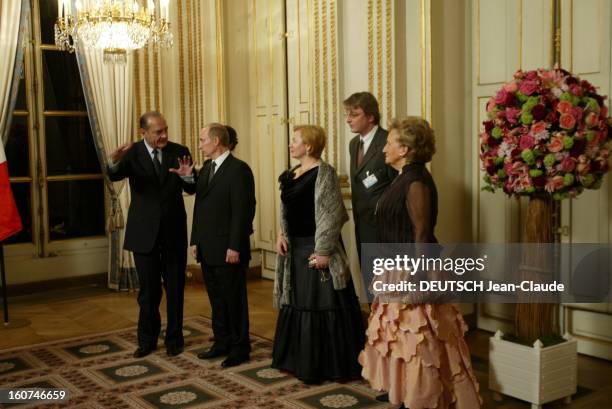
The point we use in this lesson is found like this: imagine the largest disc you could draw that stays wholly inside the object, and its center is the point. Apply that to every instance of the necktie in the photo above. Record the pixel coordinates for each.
(360, 153)
(157, 164)
(213, 165)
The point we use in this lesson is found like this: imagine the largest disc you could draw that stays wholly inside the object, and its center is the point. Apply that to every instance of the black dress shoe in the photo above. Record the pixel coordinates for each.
(383, 398)
(312, 381)
(233, 361)
(212, 353)
(142, 351)
(174, 351)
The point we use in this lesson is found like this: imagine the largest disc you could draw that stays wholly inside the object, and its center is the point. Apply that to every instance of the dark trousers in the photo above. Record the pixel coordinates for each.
(226, 287)
(364, 233)
(167, 264)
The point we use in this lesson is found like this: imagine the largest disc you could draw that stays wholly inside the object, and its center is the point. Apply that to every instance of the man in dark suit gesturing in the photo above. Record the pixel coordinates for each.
(156, 230)
(222, 223)
(370, 176)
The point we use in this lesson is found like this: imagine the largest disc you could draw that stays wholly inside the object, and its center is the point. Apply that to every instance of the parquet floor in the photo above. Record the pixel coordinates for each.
(75, 312)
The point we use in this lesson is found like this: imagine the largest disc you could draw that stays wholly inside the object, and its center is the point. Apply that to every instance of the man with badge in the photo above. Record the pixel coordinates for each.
(369, 174)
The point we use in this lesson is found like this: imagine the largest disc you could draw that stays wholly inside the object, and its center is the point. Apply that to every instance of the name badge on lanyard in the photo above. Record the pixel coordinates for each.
(370, 180)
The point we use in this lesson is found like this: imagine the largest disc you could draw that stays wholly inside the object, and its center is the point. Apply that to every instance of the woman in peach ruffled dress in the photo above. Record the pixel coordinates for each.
(416, 352)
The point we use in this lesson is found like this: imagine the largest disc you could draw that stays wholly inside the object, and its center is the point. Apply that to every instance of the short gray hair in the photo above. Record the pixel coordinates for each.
(218, 130)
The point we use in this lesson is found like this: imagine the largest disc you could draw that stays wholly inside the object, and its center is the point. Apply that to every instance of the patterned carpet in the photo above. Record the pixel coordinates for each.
(100, 372)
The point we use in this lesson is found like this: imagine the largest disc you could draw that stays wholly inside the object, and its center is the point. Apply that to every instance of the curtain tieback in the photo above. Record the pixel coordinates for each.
(115, 216)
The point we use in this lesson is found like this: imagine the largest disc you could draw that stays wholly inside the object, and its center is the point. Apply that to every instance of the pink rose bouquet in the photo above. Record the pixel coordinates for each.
(547, 131)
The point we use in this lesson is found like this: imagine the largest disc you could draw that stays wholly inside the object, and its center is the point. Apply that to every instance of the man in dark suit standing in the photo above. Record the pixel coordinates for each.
(156, 230)
(222, 223)
(370, 176)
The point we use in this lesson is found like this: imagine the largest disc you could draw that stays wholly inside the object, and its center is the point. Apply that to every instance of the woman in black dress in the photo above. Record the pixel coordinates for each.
(319, 332)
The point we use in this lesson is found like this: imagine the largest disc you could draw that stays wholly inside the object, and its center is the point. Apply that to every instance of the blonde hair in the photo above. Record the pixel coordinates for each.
(416, 133)
(314, 136)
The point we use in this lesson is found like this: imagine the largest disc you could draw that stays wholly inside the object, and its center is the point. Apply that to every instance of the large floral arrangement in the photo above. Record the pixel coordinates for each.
(547, 131)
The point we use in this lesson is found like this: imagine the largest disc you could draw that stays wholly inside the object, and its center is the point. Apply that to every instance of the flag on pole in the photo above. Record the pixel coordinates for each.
(10, 222)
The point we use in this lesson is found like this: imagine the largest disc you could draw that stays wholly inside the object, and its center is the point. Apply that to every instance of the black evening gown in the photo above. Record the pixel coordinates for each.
(320, 334)
(392, 216)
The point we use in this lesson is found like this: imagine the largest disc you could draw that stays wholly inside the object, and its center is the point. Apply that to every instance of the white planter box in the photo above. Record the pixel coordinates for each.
(533, 374)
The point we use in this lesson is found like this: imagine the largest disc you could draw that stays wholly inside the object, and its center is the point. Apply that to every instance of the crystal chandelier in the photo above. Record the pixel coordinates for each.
(115, 26)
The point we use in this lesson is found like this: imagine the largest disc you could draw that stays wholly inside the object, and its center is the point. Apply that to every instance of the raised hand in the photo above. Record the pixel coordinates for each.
(185, 166)
(120, 152)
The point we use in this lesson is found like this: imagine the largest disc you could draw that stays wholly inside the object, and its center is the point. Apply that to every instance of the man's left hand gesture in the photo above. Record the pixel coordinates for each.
(232, 257)
(185, 166)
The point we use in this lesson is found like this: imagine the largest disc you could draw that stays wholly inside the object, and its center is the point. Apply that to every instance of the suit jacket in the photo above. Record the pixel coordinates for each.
(364, 199)
(156, 205)
(224, 211)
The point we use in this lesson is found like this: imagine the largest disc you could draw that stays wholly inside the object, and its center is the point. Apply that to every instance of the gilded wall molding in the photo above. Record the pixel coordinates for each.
(190, 74)
(389, 59)
(201, 87)
(427, 67)
(147, 83)
(334, 82)
(370, 45)
(195, 38)
(326, 102)
(147, 80)
(519, 28)
(570, 30)
(317, 94)
(423, 57)
(325, 71)
(380, 54)
(197, 58)
(379, 50)
(220, 58)
(158, 91)
(554, 56)
(137, 89)
(304, 99)
(181, 68)
(201, 74)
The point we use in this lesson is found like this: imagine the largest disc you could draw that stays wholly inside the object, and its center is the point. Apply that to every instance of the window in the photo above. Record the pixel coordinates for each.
(55, 173)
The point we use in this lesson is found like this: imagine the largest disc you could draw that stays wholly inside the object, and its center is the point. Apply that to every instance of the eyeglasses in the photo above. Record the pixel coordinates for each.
(351, 114)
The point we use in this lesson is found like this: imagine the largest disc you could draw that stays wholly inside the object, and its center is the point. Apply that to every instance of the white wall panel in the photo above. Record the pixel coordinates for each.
(588, 26)
(585, 50)
(496, 37)
(506, 35)
(268, 105)
(535, 20)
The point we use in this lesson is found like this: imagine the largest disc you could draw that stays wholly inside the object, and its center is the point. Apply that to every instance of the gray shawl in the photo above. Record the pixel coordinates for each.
(330, 216)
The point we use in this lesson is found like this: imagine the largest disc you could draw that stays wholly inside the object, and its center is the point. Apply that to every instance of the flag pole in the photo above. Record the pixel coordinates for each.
(16, 323)
(4, 296)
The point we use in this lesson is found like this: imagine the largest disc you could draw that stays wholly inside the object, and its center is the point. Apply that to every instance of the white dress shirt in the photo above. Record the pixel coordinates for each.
(220, 159)
(159, 155)
(368, 138)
